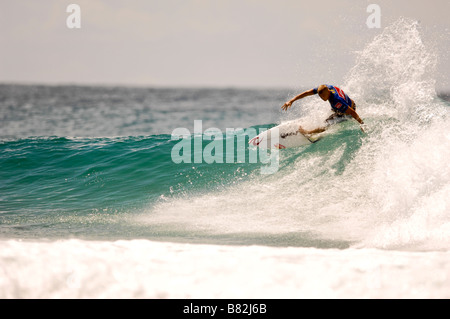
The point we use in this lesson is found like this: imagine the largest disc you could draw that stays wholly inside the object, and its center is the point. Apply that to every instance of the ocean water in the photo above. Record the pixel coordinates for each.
(92, 204)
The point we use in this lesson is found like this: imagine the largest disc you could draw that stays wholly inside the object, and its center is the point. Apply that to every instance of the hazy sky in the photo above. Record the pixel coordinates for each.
(251, 43)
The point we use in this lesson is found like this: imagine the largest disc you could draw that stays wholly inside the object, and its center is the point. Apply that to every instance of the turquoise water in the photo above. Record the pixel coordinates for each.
(95, 187)
(58, 173)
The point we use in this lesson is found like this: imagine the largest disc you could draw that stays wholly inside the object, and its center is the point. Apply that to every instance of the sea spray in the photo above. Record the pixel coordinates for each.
(360, 189)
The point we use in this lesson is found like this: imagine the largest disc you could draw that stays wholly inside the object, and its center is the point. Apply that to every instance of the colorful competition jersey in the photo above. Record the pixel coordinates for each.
(339, 101)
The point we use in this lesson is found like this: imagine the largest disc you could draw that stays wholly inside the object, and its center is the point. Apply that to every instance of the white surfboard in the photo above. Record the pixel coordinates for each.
(285, 135)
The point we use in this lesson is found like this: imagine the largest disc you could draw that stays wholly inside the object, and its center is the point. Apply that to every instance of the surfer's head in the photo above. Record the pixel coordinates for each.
(323, 92)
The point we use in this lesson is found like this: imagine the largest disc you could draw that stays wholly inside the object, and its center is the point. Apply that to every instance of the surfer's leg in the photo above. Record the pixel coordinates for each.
(315, 131)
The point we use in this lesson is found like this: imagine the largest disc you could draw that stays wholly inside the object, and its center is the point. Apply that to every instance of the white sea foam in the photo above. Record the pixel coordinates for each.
(145, 269)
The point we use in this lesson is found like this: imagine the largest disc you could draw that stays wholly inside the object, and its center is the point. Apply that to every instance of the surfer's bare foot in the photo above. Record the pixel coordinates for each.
(301, 130)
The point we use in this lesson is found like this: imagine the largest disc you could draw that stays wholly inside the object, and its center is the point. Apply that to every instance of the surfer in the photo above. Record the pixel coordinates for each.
(341, 105)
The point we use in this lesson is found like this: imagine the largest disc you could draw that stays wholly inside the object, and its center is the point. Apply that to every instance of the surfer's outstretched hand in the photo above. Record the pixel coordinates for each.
(286, 105)
(363, 128)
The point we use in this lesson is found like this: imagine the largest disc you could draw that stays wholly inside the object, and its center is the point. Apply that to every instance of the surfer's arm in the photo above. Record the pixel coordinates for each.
(298, 97)
(355, 115)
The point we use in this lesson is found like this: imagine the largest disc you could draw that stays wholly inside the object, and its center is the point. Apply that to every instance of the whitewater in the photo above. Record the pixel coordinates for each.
(92, 206)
